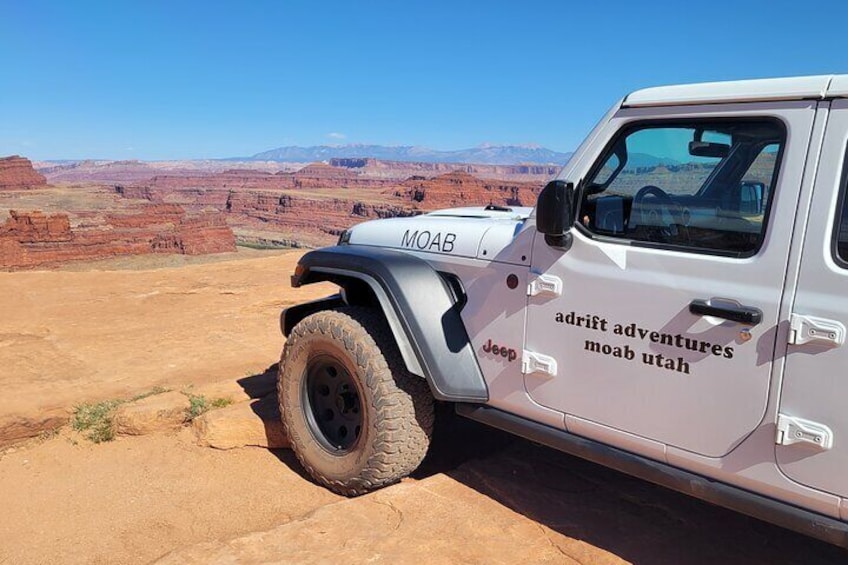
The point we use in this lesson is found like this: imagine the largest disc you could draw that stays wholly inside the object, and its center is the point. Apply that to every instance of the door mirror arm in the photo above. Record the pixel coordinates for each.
(555, 213)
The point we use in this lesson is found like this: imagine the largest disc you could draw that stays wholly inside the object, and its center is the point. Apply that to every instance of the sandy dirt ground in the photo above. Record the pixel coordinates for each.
(68, 337)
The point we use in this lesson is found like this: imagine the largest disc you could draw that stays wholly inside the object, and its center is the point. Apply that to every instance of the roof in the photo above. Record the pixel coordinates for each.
(793, 88)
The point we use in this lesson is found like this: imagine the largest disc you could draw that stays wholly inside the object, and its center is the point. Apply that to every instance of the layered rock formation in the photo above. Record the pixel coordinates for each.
(462, 189)
(198, 213)
(34, 239)
(379, 167)
(37, 227)
(17, 173)
(126, 172)
(315, 204)
(329, 216)
(315, 175)
(203, 234)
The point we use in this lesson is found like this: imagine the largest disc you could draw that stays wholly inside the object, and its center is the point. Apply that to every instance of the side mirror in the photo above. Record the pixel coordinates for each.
(751, 196)
(555, 213)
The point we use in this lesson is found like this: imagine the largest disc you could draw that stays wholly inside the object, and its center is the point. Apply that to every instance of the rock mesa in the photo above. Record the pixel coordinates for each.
(17, 173)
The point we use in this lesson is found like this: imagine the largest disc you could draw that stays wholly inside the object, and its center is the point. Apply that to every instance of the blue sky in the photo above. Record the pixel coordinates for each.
(180, 79)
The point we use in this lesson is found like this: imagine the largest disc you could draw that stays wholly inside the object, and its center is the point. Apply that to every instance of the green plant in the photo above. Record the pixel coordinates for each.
(221, 402)
(95, 420)
(152, 392)
(269, 246)
(199, 404)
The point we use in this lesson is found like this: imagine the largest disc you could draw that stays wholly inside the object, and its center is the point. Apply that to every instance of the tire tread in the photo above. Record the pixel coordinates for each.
(402, 402)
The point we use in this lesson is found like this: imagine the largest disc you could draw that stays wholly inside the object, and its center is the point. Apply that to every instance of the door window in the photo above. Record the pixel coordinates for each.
(700, 186)
(840, 235)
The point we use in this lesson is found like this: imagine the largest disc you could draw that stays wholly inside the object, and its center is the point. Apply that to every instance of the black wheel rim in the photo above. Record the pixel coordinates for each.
(332, 404)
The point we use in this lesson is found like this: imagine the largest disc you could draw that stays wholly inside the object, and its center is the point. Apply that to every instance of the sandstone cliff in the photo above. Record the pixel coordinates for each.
(315, 204)
(462, 189)
(315, 175)
(17, 173)
(34, 239)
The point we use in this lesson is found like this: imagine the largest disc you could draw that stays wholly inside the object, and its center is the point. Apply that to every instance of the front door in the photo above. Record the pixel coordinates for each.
(665, 326)
(815, 383)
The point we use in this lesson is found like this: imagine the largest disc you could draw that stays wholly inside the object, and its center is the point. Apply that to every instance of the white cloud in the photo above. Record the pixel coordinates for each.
(336, 135)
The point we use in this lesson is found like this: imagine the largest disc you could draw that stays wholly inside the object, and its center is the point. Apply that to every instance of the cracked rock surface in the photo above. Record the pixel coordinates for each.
(434, 521)
(516, 503)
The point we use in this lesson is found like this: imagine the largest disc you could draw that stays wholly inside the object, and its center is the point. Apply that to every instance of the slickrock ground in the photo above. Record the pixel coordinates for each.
(135, 499)
(68, 337)
(210, 328)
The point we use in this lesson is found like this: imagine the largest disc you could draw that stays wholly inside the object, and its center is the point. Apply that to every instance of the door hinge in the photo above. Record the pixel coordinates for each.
(532, 362)
(797, 430)
(545, 284)
(809, 329)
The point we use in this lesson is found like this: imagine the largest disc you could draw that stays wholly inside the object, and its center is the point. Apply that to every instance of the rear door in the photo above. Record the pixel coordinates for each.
(683, 229)
(813, 441)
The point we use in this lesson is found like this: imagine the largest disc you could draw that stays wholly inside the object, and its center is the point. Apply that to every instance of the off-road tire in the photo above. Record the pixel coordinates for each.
(397, 414)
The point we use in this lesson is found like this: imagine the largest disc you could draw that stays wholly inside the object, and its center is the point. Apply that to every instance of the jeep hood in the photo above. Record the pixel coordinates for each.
(476, 232)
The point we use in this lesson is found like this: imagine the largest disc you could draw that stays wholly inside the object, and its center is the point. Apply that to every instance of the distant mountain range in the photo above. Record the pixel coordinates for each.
(483, 154)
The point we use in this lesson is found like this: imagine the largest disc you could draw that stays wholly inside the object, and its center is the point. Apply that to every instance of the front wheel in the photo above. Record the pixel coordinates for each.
(356, 419)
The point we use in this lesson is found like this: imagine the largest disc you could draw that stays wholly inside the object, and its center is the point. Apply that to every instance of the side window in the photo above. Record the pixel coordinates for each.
(840, 235)
(700, 186)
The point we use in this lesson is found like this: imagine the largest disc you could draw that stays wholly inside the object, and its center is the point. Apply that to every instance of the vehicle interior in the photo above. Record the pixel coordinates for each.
(842, 230)
(702, 186)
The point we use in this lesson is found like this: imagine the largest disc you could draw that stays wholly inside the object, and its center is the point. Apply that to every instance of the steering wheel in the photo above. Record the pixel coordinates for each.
(651, 214)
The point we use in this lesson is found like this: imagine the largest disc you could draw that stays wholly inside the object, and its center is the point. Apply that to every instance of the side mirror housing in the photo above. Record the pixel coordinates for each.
(555, 213)
(751, 197)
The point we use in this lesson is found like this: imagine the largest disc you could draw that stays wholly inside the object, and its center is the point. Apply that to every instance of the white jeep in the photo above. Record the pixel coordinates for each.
(674, 307)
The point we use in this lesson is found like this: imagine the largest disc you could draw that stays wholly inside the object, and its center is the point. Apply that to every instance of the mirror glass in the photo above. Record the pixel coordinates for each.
(554, 208)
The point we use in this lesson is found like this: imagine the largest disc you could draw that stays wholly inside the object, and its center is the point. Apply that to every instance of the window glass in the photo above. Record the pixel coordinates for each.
(841, 229)
(842, 236)
(608, 170)
(699, 186)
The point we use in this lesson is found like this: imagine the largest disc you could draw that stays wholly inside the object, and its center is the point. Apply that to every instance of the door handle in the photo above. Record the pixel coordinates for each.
(734, 313)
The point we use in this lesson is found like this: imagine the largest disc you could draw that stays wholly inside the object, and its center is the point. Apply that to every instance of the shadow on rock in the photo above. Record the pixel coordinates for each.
(261, 384)
(457, 440)
(633, 519)
(627, 517)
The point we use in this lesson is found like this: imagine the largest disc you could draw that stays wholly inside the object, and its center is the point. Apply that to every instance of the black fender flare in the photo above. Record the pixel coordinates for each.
(419, 306)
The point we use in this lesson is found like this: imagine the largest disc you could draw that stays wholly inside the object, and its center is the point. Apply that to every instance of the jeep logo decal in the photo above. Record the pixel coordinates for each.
(500, 350)
(428, 241)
